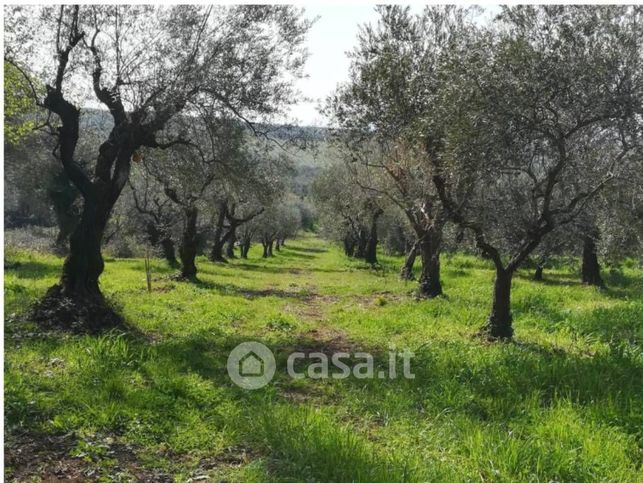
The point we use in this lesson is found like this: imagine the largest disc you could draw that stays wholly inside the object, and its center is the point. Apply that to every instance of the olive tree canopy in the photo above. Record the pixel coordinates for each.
(145, 65)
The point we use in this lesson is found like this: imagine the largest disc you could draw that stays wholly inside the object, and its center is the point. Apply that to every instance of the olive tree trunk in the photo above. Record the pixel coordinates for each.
(406, 273)
(84, 263)
(244, 248)
(232, 238)
(63, 197)
(591, 270)
(362, 240)
(157, 237)
(349, 245)
(538, 273)
(370, 252)
(429, 284)
(189, 242)
(499, 325)
(216, 253)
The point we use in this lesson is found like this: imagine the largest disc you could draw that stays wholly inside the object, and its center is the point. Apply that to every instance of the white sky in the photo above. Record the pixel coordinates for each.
(334, 34)
(330, 38)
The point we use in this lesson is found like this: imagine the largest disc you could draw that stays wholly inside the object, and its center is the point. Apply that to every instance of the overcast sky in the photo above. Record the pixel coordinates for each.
(334, 34)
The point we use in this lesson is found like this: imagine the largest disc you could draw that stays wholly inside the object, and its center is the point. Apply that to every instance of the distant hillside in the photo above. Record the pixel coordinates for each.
(102, 119)
(307, 146)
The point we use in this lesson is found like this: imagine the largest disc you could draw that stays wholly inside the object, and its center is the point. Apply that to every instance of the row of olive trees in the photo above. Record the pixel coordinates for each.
(513, 131)
(152, 69)
(230, 178)
(231, 191)
(347, 213)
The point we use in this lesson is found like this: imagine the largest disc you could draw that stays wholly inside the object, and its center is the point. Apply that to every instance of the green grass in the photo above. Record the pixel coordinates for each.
(563, 402)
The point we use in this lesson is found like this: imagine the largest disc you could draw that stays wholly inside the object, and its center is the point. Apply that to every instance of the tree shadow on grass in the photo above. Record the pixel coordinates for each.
(98, 393)
(617, 284)
(551, 279)
(220, 271)
(33, 269)
(286, 254)
(535, 304)
(258, 267)
(620, 323)
(138, 265)
(273, 425)
(501, 382)
(617, 278)
(251, 293)
(179, 387)
(306, 249)
(169, 392)
(619, 292)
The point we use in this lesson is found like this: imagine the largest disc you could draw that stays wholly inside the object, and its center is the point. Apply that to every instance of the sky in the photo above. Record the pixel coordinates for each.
(333, 34)
(330, 38)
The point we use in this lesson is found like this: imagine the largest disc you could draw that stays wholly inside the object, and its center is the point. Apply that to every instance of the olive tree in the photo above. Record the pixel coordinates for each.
(248, 186)
(145, 65)
(348, 213)
(539, 113)
(392, 85)
(279, 221)
(189, 173)
(152, 210)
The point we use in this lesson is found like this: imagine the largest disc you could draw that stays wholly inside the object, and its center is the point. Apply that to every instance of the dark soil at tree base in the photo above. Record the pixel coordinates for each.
(88, 315)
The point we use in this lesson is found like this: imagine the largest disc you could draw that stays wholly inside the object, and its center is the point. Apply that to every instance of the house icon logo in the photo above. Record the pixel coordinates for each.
(251, 365)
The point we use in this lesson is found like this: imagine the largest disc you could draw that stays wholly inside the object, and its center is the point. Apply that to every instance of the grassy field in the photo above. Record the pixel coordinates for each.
(563, 402)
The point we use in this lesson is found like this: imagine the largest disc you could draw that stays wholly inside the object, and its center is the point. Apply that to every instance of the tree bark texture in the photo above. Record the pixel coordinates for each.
(189, 242)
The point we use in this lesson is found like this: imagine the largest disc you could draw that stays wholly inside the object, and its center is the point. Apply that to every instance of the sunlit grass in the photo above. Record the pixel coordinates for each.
(564, 402)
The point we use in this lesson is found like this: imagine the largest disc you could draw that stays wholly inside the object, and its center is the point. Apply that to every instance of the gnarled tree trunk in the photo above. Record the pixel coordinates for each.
(77, 297)
(232, 238)
(499, 325)
(244, 248)
(591, 270)
(429, 283)
(63, 196)
(538, 273)
(349, 245)
(406, 273)
(189, 242)
(370, 252)
(157, 237)
(153, 233)
(362, 240)
(84, 263)
(427, 223)
(216, 253)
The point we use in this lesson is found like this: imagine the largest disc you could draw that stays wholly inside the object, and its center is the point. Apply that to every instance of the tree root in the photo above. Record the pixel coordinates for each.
(491, 332)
